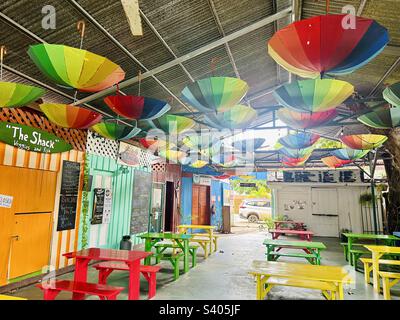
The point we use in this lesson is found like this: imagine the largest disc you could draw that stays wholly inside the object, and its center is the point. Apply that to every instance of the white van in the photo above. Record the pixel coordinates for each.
(255, 209)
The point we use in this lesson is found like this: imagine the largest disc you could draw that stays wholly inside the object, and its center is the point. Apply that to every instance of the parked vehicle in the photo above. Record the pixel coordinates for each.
(255, 209)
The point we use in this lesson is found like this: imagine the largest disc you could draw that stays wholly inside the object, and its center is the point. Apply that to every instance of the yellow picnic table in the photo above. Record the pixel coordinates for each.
(328, 279)
(377, 253)
(203, 239)
(4, 297)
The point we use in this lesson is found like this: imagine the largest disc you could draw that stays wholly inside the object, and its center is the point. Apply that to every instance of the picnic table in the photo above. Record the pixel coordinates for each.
(377, 253)
(312, 250)
(198, 237)
(302, 234)
(353, 237)
(296, 225)
(131, 258)
(329, 279)
(182, 241)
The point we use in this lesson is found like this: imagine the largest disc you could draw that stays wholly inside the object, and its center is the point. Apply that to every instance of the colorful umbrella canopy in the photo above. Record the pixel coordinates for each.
(304, 120)
(153, 143)
(299, 140)
(68, 116)
(320, 45)
(199, 164)
(75, 68)
(18, 95)
(296, 153)
(385, 118)
(173, 124)
(315, 95)
(223, 177)
(137, 107)
(363, 141)
(295, 162)
(244, 144)
(172, 154)
(115, 131)
(238, 117)
(392, 94)
(349, 154)
(215, 93)
(334, 162)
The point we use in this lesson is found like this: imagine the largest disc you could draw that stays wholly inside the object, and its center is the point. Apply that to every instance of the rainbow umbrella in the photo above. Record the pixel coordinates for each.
(215, 93)
(363, 141)
(75, 68)
(223, 177)
(299, 140)
(68, 116)
(173, 124)
(153, 143)
(18, 95)
(172, 154)
(137, 107)
(385, 118)
(295, 162)
(334, 162)
(392, 94)
(349, 154)
(315, 95)
(296, 153)
(115, 131)
(238, 117)
(304, 120)
(198, 164)
(251, 143)
(321, 45)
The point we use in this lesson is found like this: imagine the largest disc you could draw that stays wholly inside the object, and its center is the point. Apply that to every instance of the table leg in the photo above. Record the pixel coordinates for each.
(349, 247)
(147, 248)
(134, 280)
(186, 255)
(80, 275)
(375, 270)
(210, 234)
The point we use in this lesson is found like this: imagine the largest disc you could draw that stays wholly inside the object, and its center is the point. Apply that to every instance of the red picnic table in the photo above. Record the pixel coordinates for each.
(131, 258)
(302, 234)
(296, 225)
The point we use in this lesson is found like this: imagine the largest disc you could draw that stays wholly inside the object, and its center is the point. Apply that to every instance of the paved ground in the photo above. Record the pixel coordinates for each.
(224, 274)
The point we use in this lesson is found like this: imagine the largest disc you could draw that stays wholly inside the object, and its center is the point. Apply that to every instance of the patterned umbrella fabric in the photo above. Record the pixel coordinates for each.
(304, 120)
(173, 125)
(215, 93)
(18, 95)
(334, 162)
(320, 45)
(296, 153)
(349, 154)
(299, 140)
(363, 141)
(392, 94)
(295, 162)
(115, 131)
(385, 118)
(75, 68)
(68, 116)
(172, 154)
(248, 145)
(137, 107)
(315, 95)
(153, 143)
(238, 117)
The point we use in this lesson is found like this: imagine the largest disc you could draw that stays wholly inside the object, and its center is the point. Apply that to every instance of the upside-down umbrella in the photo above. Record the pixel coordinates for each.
(173, 125)
(215, 93)
(198, 163)
(75, 68)
(385, 118)
(299, 140)
(172, 154)
(295, 162)
(304, 120)
(313, 95)
(321, 45)
(238, 117)
(115, 131)
(223, 177)
(137, 107)
(296, 153)
(248, 145)
(334, 162)
(18, 95)
(349, 154)
(68, 116)
(363, 141)
(392, 94)
(152, 143)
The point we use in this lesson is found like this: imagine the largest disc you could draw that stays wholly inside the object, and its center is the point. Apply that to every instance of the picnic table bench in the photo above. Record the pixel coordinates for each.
(282, 224)
(207, 240)
(302, 234)
(368, 266)
(328, 279)
(5, 297)
(311, 250)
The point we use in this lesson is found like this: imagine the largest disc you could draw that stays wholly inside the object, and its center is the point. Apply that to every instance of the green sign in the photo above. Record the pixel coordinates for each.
(31, 139)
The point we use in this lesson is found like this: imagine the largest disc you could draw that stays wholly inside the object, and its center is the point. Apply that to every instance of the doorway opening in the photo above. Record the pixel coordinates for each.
(169, 206)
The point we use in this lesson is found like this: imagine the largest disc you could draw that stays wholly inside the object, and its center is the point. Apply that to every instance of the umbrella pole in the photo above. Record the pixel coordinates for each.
(3, 52)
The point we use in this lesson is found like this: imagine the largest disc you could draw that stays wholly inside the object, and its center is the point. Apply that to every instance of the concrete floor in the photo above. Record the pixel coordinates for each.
(224, 274)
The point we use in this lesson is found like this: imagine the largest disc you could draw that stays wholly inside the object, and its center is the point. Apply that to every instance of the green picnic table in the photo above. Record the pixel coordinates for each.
(182, 240)
(311, 250)
(354, 254)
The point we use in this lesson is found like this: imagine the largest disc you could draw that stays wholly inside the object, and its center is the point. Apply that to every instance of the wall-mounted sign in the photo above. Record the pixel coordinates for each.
(247, 185)
(107, 206)
(31, 139)
(71, 172)
(67, 212)
(98, 205)
(6, 201)
(129, 155)
(203, 180)
(141, 200)
(323, 176)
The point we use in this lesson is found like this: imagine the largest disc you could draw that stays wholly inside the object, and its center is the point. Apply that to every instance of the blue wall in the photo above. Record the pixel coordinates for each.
(186, 200)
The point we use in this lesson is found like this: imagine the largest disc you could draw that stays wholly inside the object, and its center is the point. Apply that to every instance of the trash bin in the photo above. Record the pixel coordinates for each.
(126, 243)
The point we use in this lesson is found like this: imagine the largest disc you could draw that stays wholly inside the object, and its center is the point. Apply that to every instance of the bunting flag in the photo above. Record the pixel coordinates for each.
(18, 95)
(305, 120)
(363, 141)
(334, 162)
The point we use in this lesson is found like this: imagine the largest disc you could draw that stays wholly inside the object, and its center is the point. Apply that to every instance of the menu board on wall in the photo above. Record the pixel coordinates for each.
(323, 176)
(68, 195)
(98, 205)
(141, 198)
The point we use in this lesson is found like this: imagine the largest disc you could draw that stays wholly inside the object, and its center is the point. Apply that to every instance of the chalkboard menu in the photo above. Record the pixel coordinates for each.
(323, 176)
(98, 205)
(142, 190)
(68, 195)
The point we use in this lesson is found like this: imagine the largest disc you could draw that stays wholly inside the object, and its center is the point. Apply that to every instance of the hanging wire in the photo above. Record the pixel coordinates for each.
(3, 52)
(81, 27)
